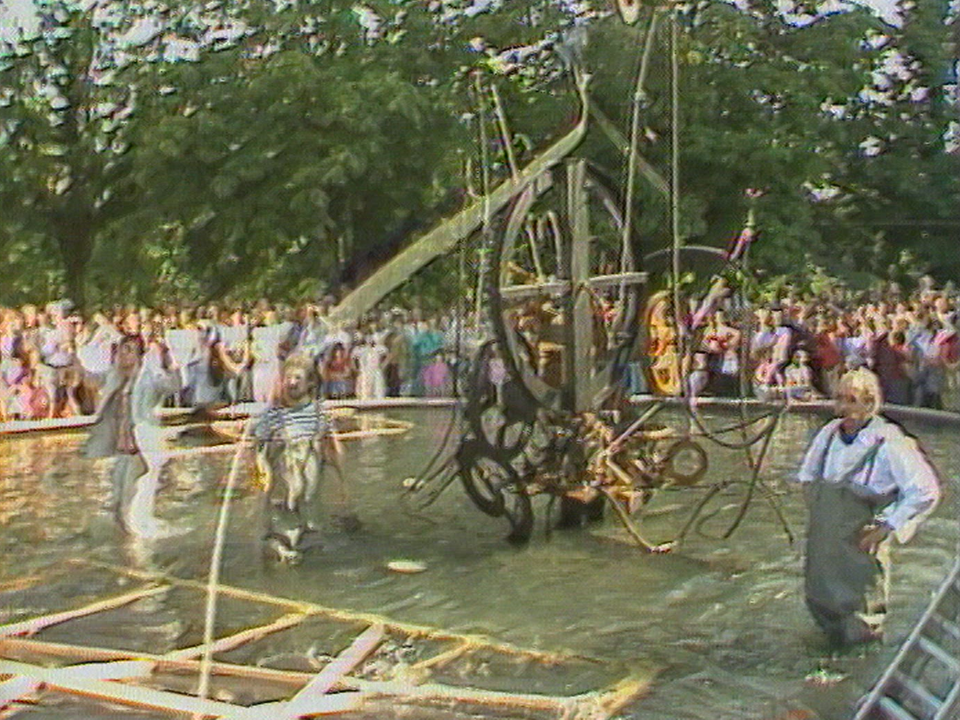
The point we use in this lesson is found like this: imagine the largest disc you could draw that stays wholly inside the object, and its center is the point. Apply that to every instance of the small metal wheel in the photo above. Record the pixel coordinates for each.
(496, 489)
(685, 463)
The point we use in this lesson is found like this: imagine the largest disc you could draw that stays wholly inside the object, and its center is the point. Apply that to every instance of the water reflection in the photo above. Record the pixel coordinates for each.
(723, 619)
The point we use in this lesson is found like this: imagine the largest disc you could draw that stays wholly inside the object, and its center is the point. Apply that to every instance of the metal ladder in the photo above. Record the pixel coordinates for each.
(923, 680)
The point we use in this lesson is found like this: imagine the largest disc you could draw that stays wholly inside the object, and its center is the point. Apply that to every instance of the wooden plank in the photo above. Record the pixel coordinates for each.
(522, 292)
(113, 670)
(599, 282)
(578, 360)
(359, 649)
(16, 687)
(241, 638)
(400, 691)
(441, 659)
(34, 625)
(132, 695)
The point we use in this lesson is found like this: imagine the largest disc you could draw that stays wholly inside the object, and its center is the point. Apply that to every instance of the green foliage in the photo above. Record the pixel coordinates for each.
(254, 147)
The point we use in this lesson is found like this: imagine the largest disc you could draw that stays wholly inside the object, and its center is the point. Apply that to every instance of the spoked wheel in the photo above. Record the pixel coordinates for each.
(497, 490)
(565, 292)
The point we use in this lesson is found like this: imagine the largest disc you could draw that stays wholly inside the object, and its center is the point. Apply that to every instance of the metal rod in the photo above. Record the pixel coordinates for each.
(504, 131)
(639, 95)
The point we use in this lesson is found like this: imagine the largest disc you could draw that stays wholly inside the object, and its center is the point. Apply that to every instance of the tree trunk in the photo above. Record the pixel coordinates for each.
(75, 239)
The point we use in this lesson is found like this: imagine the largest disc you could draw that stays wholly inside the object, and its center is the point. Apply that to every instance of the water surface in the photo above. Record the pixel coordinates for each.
(721, 620)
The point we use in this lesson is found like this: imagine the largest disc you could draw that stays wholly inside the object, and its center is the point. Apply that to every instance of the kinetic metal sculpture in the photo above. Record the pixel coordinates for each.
(569, 301)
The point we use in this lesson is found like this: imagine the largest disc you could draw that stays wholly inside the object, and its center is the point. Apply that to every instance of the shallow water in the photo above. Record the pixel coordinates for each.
(721, 620)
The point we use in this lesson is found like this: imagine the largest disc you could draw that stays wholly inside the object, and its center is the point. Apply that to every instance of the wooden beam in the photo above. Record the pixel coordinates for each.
(600, 282)
(579, 360)
(113, 670)
(241, 638)
(523, 292)
(441, 659)
(34, 625)
(16, 687)
(314, 695)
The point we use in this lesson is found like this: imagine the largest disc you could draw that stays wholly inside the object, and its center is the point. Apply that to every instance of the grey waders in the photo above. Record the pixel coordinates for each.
(845, 587)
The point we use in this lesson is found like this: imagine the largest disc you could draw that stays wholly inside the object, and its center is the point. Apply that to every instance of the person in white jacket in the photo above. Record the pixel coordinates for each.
(127, 426)
(867, 480)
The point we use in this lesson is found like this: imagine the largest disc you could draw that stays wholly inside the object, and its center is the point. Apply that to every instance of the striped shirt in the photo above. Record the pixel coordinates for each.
(297, 423)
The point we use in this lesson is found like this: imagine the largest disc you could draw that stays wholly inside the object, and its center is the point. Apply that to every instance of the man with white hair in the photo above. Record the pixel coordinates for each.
(867, 480)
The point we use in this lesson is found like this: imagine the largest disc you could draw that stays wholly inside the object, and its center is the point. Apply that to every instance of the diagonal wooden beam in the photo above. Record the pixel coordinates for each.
(35, 625)
(241, 638)
(304, 701)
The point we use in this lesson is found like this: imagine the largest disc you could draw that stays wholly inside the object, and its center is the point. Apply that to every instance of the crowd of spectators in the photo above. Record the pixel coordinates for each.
(800, 346)
(53, 361)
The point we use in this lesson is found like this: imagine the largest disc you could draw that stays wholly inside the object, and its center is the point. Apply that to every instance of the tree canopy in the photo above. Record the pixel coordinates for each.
(179, 150)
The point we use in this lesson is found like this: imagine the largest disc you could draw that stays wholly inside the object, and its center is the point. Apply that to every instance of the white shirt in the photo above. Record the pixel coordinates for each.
(266, 341)
(233, 336)
(899, 466)
(184, 344)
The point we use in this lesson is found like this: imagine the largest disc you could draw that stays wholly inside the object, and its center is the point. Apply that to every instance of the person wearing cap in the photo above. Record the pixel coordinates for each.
(867, 481)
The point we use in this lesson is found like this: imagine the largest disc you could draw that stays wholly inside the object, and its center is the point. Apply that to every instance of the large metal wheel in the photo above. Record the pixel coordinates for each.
(565, 292)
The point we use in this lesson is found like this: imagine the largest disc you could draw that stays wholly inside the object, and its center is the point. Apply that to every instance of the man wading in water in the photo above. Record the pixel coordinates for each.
(127, 427)
(294, 438)
(866, 480)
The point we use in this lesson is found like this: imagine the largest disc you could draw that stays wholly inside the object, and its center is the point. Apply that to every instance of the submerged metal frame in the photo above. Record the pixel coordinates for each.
(113, 675)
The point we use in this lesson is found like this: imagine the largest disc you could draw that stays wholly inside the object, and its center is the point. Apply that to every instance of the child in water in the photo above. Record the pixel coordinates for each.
(294, 439)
